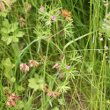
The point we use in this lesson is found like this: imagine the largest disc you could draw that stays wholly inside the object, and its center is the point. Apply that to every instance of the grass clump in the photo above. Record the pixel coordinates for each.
(54, 55)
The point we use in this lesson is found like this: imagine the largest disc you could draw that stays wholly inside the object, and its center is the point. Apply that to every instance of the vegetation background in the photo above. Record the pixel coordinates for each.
(54, 55)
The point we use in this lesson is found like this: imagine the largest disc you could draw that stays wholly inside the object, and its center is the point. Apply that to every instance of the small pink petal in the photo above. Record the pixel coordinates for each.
(33, 63)
(67, 67)
(53, 18)
(24, 67)
(8, 103)
(49, 94)
(13, 103)
(56, 66)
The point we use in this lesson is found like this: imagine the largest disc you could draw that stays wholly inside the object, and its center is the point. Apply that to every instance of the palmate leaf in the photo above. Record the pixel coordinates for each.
(55, 108)
(15, 39)
(33, 84)
(4, 13)
(4, 31)
(10, 32)
(20, 34)
(36, 83)
(6, 23)
(9, 40)
(13, 27)
(63, 87)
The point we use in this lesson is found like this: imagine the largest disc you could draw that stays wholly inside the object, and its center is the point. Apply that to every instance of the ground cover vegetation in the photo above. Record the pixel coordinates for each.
(54, 55)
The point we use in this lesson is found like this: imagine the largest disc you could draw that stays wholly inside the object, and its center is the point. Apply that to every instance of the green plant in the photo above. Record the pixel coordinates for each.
(69, 39)
(10, 32)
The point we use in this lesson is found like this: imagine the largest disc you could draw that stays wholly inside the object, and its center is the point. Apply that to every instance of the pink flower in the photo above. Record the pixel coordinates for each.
(12, 100)
(53, 18)
(13, 103)
(24, 68)
(67, 67)
(56, 66)
(53, 94)
(33, 63)
(8, 104)
(27, 7)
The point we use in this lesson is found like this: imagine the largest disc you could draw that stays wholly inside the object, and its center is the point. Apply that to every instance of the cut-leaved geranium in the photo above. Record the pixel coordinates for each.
(10, 32)
(36, 83)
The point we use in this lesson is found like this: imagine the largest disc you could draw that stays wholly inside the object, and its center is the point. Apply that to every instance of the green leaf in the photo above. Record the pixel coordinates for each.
(15, 39)
(9, 40)
(63, 87)
(8, 69)
(61, 101)
(14, 27)
(28, 105)
(36, 83)
(20, 105)
(55, 108)
(33, 84)
(20, 88)
(4, 30)
(6, 23)
(12, 79)
(4, 13)
(10, 32)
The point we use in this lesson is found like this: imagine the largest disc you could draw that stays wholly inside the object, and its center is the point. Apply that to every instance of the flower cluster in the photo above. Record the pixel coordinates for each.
(61, 70)
(11, 102)
(25, 68)
(66, 14)
(33, 63)
(22, 22)
(51, 93)
(4, 4)
(57, 66)
(51, 15)
(27, 7)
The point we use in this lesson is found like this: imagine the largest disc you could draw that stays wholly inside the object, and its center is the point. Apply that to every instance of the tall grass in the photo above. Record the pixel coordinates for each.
(81, 78)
